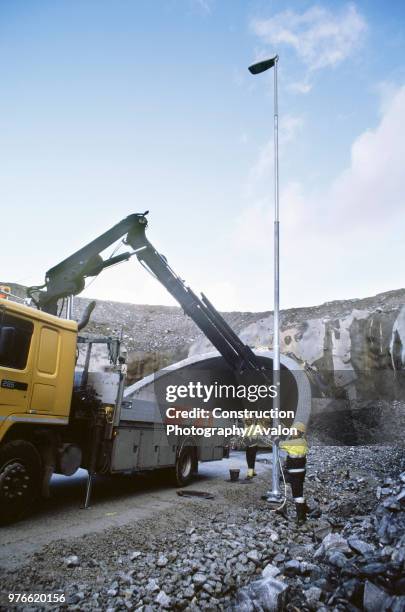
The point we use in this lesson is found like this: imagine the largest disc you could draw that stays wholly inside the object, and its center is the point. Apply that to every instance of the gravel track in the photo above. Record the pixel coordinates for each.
(197, 554)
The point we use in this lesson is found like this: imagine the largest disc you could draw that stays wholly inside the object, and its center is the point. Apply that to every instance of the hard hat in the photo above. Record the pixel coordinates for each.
(300, 427)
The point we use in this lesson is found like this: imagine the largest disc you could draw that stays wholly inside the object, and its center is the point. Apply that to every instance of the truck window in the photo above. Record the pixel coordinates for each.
(15, 340)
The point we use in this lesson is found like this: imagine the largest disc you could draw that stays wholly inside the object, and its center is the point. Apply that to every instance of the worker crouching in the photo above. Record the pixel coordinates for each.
(296, 450)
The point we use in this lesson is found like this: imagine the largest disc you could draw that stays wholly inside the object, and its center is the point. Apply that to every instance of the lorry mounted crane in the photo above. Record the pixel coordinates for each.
(68, 278)
(55, 420)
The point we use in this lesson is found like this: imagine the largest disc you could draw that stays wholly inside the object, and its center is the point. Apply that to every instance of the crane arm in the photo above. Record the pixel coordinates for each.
(68, 278)
(238, 355)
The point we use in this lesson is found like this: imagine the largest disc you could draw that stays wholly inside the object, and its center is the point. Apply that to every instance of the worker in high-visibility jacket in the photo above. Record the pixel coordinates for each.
(296, 449)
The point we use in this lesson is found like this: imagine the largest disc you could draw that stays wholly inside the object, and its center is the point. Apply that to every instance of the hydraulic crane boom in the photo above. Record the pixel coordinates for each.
(237, 354)
(68, 278)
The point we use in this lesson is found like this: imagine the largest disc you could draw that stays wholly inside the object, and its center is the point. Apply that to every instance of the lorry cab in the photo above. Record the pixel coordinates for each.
(37, 361)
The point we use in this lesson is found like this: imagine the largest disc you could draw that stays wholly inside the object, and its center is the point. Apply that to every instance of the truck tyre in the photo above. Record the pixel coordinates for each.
(184, 468)
(20, 478)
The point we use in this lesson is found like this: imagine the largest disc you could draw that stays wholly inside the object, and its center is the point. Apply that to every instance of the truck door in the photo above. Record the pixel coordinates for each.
(16, 351)
(45, 373)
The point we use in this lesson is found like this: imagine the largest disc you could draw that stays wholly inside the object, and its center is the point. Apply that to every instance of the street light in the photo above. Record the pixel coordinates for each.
(274, 495)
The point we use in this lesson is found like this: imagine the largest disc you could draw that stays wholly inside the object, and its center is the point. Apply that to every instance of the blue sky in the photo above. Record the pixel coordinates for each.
(109, 108)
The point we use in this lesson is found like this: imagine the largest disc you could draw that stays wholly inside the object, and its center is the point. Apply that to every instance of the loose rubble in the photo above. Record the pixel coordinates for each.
(235, 554)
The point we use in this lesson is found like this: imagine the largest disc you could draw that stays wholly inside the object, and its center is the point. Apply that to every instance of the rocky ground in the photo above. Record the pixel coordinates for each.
(149, 327)
(232, 552)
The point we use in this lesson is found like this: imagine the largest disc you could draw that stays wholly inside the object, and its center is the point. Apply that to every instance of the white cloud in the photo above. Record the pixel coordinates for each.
(374, 184)
(321, 38)
(343, 241)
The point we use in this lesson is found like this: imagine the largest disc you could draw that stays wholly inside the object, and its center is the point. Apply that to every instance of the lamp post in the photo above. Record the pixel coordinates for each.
(274, 495)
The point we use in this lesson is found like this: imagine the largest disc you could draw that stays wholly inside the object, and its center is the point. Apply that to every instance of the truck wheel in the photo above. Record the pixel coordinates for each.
(20, 476)
(184, 468)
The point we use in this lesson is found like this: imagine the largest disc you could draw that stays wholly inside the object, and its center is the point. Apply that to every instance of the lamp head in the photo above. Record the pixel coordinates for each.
(263, 65)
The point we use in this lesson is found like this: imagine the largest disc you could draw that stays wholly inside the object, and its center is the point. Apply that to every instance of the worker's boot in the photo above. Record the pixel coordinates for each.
(283, 512)
(301, 510)
(250, 473)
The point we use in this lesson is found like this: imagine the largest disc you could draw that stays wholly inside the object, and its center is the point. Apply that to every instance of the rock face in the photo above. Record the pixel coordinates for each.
(354, 355)
(344, 347)
(346, 341)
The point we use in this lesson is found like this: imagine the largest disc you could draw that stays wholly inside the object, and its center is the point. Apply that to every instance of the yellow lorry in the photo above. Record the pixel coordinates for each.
(55, 418)
(37, 362)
